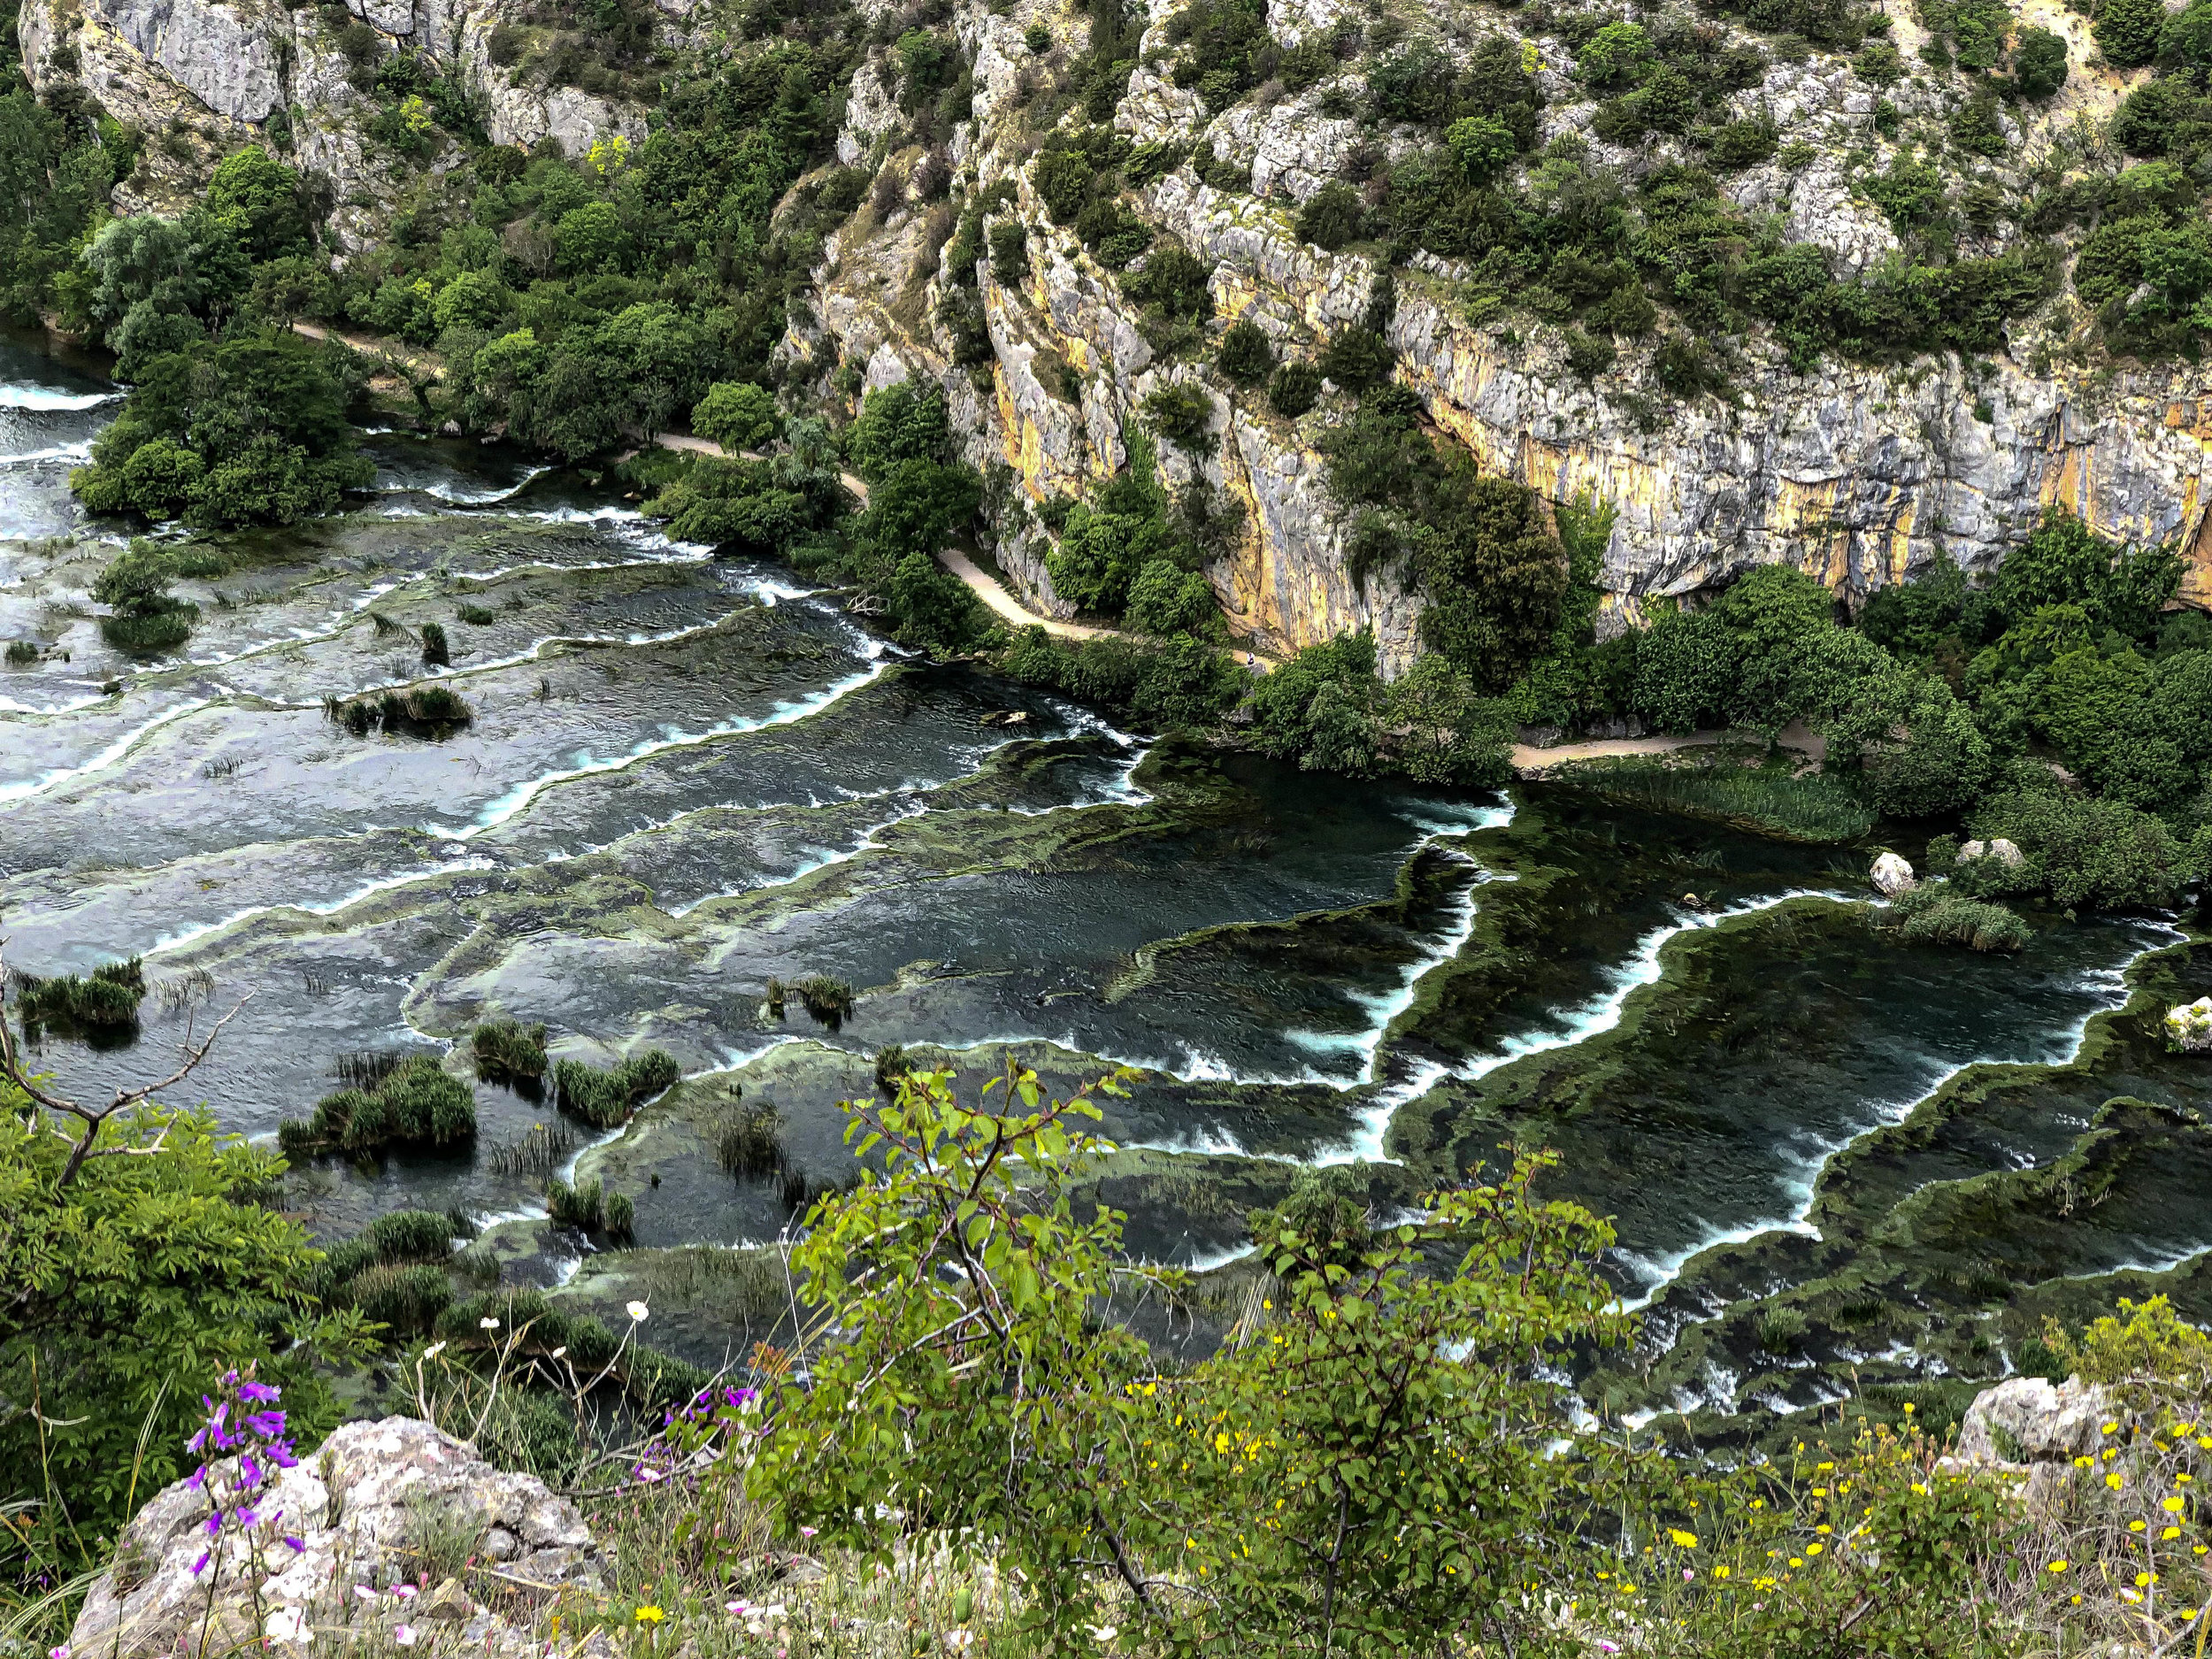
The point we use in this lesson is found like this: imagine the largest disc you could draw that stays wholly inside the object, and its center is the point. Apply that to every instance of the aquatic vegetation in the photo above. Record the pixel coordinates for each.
(433, 711)
(21, 653)
(830, 1000)
(543, 1148)
(1771, 798)
(1936, 913)
(435, 651)
(749, 1140)
(146, 619)
(892, 1064)
(507, 1051)
(365, 1068)
(605, 1098)
(477, 616)
(416, 1104)
(108, 998)
(589, 1208)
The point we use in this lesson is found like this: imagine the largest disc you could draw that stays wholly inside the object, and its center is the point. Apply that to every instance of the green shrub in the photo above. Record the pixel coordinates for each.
(1164, 599)
(2128, 31)
(477, 616)
(133, 1281)
(737, 415)
(1295, 388)
(2038, 63)
(1245, 354)
(21, 653)
(106, 1000)
(1331, 217)
(830, 1000)
(1180, 412)
(435, 650)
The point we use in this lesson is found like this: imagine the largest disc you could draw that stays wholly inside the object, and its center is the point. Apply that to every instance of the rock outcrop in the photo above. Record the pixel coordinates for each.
(2027, 1425)
(375, 1512)
(1863, 474)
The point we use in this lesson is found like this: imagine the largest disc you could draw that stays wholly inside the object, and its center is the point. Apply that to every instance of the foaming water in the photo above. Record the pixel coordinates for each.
(15, 394)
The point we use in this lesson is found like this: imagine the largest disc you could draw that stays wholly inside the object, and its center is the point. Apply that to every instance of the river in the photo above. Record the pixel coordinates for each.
(684, 775)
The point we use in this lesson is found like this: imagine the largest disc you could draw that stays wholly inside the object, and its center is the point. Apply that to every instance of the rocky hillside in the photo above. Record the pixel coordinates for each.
(1851, 290)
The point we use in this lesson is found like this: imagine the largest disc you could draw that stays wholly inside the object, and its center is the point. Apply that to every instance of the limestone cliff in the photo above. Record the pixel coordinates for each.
(1861, 474)
(201, 77)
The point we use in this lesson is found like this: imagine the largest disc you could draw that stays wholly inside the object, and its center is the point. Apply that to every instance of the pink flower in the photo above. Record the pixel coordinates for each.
(404, 1634)
(365, 1592)
(1688, 1574)
(807, 1531)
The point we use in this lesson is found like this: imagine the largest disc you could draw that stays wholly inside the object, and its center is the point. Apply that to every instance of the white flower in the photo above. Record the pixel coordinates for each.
(404, 1634)
(561, 1352)
(487, 1322)
(433, 1350)
(287, 1623)
(958, 1639)
(1102, 1633)
(638, 1310)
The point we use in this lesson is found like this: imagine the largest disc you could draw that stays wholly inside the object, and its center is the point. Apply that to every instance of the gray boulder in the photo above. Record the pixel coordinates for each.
(379, 1505)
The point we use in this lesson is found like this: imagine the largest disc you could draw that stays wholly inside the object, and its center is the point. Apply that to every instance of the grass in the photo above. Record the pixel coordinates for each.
(748, 1140)
(21, 653)
(434, 711)
(1933, 914)
(416, 1104)
(603, 1099)
(543, 1148)
(108, 999)
(435, 647)
(477, 616)
(506, 1050)
(829, 1001)
(1768, 798)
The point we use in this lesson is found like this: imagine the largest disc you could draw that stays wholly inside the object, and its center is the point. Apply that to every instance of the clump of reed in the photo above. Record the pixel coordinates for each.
(829, 1001)
(603, 1099)
(589, 1208)
(1936, 913)
(21, 653)
(507, 1051)
(435, 650)
(434, 711)
(543, 1148)
(416, 1104)
(892, 1064)
(106, 999)
(748, 1140)
(477, 616)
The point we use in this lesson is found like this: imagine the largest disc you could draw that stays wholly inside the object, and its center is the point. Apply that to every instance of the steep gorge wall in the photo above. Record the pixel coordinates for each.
(1863, 474)
(202, 77)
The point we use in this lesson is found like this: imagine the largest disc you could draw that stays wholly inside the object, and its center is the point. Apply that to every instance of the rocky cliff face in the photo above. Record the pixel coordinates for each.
(1861, 474)
(202, 77)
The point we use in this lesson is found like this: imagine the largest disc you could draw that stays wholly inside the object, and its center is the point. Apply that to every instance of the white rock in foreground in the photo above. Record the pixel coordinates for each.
(359, 1506)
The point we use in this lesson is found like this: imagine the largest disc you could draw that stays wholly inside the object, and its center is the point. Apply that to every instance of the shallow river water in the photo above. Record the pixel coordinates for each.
(684, 775)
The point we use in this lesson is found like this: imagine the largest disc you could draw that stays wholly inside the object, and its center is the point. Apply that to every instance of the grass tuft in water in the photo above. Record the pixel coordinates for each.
(588, 1207)
(603, 1099)
(541, 1150)
(435, 650)
(416, 1104)
(21, 653)
(748, 1140)
(107, 1000)
(829, 1001)
(477, 616)
(506, 1050)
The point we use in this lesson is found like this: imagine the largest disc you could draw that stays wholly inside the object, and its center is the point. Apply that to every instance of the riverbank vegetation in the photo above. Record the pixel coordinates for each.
(1382, 1457)
(1775, 792)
